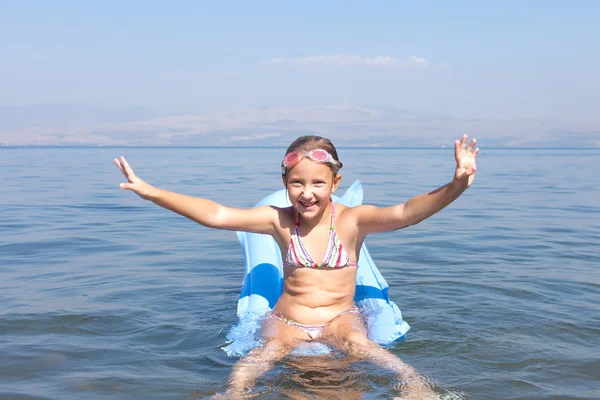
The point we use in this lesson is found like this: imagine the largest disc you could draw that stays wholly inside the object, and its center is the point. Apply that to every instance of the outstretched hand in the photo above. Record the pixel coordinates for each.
(135, 184)
(465, 161)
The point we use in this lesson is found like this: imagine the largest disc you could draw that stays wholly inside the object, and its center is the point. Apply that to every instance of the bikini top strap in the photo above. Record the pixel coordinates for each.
(297, 220)
(332, 213)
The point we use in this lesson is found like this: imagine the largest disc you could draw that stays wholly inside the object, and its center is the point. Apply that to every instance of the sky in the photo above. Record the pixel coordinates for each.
(474, 59)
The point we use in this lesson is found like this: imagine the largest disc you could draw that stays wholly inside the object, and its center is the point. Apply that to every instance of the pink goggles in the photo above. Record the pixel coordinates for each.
(317, 155)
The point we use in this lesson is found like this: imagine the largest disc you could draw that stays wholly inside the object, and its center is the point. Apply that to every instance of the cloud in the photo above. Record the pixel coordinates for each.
(257, 137)
(272, 61)
(345, 60)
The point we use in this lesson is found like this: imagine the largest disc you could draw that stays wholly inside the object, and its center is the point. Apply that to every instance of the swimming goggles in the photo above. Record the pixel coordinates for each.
(317, 155)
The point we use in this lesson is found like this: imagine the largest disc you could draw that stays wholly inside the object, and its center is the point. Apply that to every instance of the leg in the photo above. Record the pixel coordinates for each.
(349, 333)
(280, 340)
(255, 363)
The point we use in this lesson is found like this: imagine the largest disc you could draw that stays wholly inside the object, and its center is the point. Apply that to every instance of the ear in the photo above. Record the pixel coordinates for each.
(336, 182)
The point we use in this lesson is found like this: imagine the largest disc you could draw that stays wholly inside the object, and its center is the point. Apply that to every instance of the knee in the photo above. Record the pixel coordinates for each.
(273, 343)
(355, 338)
(276, 348)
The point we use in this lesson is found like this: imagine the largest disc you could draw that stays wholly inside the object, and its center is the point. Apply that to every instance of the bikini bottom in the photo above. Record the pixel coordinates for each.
(312, 331)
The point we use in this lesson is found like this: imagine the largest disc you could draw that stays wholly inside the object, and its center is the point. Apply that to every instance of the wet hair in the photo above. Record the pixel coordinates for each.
(307, 143)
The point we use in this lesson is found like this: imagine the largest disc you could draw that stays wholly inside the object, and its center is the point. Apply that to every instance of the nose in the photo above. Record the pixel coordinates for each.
(307, 193)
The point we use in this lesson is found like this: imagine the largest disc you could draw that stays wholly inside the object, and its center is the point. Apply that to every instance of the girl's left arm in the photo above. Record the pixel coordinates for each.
(372, 219)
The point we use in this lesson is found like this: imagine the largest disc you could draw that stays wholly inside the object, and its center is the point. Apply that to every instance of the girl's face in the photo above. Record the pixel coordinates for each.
(310, 185)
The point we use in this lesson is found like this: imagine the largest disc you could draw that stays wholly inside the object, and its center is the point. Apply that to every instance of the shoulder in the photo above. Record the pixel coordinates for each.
(356, 212)
(345, 214)
(346, 225)
(285, 216)
(276, 213)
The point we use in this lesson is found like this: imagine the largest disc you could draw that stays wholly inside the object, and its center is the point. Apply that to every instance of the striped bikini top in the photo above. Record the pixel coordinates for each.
(335, 256)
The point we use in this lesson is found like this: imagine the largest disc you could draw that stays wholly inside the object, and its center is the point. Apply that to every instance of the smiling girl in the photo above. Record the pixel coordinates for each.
(320, 242)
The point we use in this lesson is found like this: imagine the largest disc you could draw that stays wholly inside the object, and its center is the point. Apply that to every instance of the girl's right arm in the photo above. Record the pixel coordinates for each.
(203, 211)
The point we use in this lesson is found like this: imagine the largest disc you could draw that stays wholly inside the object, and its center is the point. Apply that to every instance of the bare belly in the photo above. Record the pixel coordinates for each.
(313, 308)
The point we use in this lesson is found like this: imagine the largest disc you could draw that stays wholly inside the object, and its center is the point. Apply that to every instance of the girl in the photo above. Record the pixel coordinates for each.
(320, 242)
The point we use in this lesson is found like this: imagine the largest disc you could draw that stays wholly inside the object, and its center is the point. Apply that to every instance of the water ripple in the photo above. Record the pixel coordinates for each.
(106, 296)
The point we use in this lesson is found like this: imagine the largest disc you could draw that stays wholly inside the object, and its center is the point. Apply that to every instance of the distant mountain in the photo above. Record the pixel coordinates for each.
(19, 117)
(346, 124)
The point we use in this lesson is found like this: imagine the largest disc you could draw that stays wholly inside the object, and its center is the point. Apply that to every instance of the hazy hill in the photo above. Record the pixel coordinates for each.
(350, 125)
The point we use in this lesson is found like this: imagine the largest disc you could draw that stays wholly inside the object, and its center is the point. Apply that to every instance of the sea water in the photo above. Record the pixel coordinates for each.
(104, 295)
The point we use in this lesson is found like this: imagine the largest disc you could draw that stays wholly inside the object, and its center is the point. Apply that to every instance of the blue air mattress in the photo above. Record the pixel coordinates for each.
(263, 282)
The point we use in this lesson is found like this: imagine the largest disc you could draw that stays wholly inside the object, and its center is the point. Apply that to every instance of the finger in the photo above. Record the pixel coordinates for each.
(127, 168)
(123, 169)
(125, 186)
(473, 142)
(463, 142)
(476, 152)
(118, 164)
(465, 173)
(456, 149)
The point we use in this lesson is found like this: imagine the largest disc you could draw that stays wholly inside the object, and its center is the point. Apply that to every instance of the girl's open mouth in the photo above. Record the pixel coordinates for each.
(308, 205)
